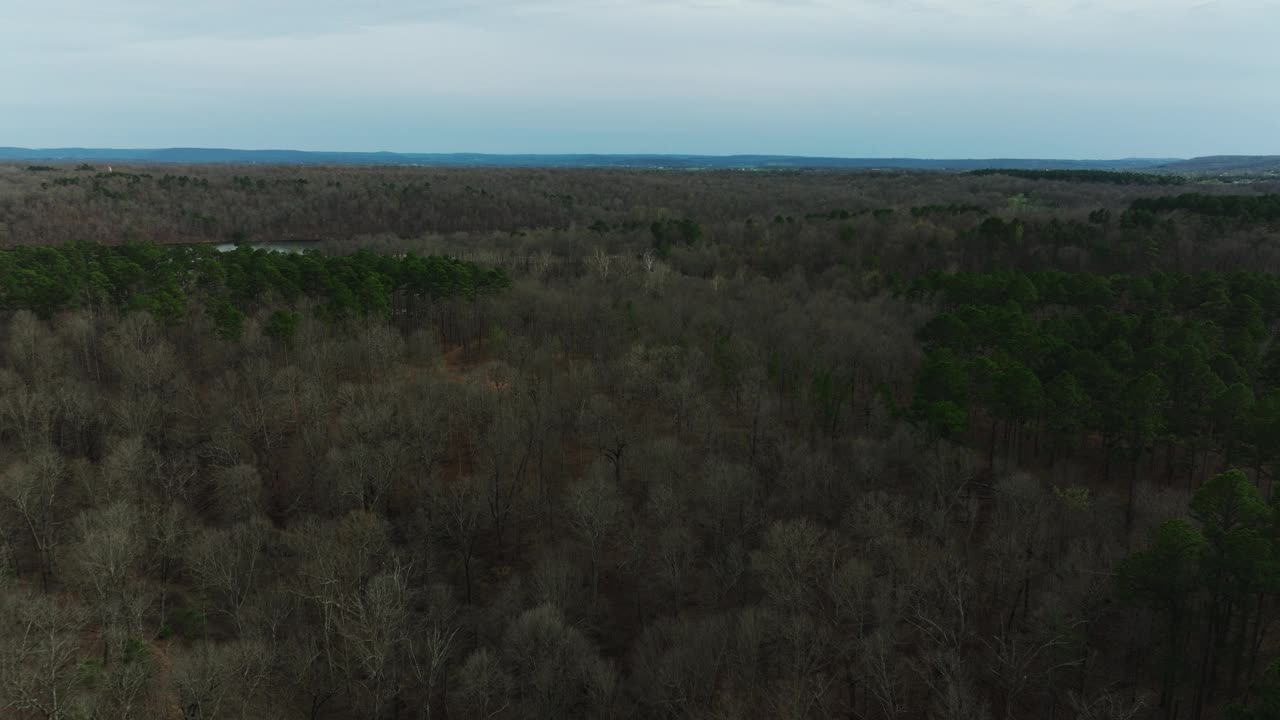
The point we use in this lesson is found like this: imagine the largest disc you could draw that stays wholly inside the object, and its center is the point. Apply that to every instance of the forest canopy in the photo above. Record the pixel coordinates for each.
(522, 443)
(161, 279)
(1087, 176)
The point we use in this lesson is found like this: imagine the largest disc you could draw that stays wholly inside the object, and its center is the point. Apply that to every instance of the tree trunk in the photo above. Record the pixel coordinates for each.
(1237, 661)
(595, 576)
(1106, 460)
(1206, 661)
(991, 446)
(466, 571)
(1133, 481)
(1259, 633)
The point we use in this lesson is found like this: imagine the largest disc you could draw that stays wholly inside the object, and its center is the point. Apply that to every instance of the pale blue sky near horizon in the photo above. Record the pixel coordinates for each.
(851, 78)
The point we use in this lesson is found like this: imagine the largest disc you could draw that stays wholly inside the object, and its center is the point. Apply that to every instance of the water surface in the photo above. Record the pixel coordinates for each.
(284, 247)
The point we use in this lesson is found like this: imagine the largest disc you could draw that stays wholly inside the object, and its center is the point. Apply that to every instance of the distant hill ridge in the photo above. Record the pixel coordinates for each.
(1224, 163)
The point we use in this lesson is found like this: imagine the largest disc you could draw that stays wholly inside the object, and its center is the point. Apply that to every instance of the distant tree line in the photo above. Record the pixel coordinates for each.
(1114, 177)
(1249, 208)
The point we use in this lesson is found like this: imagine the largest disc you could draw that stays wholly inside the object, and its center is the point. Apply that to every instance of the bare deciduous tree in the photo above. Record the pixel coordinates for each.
(483, 686)
(429, 657)
(127, 461)
(166, 532)
(239, 493)
(212, 679)
(554, 669)
(226, 562)
(32, 487)
(109, 551)
(505, 443)
(375, 628)
(594, 506)
(140, 354)
(463, 507)
(1108, 704)
(32, 349)
(791, 564)
(39, 654)
(882, 668)
(28, 412)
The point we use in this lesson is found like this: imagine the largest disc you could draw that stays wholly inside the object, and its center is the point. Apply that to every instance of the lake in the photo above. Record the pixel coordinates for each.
(284, 247)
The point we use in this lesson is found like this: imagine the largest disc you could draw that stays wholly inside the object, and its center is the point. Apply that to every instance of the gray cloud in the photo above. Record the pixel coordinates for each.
(922, 77)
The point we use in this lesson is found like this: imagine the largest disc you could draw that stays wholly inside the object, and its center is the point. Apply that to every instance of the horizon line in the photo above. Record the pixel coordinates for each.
(213, 148)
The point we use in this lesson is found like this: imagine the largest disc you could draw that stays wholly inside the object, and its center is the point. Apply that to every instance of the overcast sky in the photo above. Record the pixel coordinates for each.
(923, 78)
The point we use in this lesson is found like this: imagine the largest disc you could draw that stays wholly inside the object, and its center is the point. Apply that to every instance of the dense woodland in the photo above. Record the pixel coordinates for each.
(637, 444)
